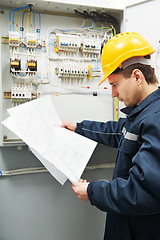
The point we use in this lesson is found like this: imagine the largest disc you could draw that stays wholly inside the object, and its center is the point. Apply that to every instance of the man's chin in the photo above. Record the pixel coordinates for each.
(128, 104)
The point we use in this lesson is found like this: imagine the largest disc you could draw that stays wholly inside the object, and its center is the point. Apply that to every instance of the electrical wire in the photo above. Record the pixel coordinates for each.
(23, 21)
(17, 21)
(10, 21)
(34, 22)
(31, 22)
(15, 10)
(44, 170)
(39, 19)
(104, 17)
(28, 21)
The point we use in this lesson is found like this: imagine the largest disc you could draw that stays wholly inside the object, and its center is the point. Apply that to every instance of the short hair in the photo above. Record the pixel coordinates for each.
(147, 70)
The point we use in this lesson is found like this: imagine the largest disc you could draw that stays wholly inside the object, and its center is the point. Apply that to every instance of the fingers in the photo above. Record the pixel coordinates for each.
(73, 187)
(81, 189)
(82, 181)
(69, 125)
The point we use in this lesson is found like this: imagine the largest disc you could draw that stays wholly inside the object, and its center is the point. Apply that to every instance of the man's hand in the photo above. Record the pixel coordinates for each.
(69, 125)
(81, 190)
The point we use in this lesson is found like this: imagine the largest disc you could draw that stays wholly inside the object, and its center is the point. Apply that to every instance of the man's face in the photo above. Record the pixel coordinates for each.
(125, 89)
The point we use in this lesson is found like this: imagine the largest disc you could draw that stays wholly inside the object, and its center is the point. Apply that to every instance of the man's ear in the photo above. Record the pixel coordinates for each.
(138, 76)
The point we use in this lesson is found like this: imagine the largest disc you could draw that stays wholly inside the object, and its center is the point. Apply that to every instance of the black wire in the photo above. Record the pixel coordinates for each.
(100, 17)
(109, 17)
(86, 14)
(28, 10)
(79, 13)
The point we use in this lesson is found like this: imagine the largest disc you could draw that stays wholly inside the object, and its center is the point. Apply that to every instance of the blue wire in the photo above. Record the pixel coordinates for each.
(17, 9)
(96, 63)
(72, 29)
(34, 20)
(10, 20)
(39, 19)
(91, 26)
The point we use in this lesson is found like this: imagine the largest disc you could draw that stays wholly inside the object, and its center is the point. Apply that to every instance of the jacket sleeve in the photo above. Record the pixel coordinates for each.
(108, 133)
(140, 194)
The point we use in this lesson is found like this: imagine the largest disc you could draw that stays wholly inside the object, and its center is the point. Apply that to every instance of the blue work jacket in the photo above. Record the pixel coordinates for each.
(132, 198)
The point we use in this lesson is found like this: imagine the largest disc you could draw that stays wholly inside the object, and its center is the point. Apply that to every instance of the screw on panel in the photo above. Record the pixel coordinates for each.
(5, 137)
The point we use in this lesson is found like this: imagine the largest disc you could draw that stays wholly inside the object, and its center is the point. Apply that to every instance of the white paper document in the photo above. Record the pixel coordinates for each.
(64, 153)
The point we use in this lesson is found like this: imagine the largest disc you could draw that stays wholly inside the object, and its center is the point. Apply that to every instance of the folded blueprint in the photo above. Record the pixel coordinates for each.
(64, 153)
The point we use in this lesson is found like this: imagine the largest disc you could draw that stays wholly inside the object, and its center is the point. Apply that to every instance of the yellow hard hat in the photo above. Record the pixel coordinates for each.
(120, 48)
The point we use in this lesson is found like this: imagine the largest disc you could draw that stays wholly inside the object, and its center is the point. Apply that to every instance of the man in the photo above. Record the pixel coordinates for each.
(132, 198)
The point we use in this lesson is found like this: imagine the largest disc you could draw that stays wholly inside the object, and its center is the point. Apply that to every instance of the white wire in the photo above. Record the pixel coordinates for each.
(22, 77)
(75, 59)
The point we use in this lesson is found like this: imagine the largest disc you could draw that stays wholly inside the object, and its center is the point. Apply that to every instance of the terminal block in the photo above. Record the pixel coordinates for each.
(22, 94)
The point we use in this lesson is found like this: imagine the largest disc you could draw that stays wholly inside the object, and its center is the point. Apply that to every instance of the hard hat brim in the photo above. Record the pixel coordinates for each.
(103, 79)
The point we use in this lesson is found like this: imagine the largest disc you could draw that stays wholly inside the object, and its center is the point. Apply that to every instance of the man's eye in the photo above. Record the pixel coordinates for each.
(115, 85)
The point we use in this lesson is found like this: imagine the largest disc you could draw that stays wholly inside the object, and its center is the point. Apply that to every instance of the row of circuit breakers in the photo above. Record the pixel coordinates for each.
(76, 43)
(89, 46)
(64, 42)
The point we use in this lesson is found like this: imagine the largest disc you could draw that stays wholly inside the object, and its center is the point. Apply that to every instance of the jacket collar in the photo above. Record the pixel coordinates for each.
(131, 111)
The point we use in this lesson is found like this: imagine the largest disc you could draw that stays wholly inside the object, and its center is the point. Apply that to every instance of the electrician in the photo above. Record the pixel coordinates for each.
(132, 198)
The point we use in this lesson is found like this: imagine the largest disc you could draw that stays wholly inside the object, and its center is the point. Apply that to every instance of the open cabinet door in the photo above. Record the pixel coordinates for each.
(144, 18)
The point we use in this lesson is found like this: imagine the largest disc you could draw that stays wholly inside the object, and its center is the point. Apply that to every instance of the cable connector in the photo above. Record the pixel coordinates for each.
(95, 94)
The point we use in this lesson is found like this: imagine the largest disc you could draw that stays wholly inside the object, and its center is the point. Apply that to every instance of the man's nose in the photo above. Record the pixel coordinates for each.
(114, 92)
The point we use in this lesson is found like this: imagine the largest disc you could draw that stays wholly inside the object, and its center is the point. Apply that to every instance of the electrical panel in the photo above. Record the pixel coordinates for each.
(50, 59)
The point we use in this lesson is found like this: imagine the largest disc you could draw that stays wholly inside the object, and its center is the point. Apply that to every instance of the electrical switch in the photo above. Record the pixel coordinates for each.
(32, 65)
(15, 65)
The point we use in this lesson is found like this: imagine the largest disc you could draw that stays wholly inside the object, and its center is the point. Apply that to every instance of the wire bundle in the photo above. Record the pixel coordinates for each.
(100, 17)
(27, 9)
